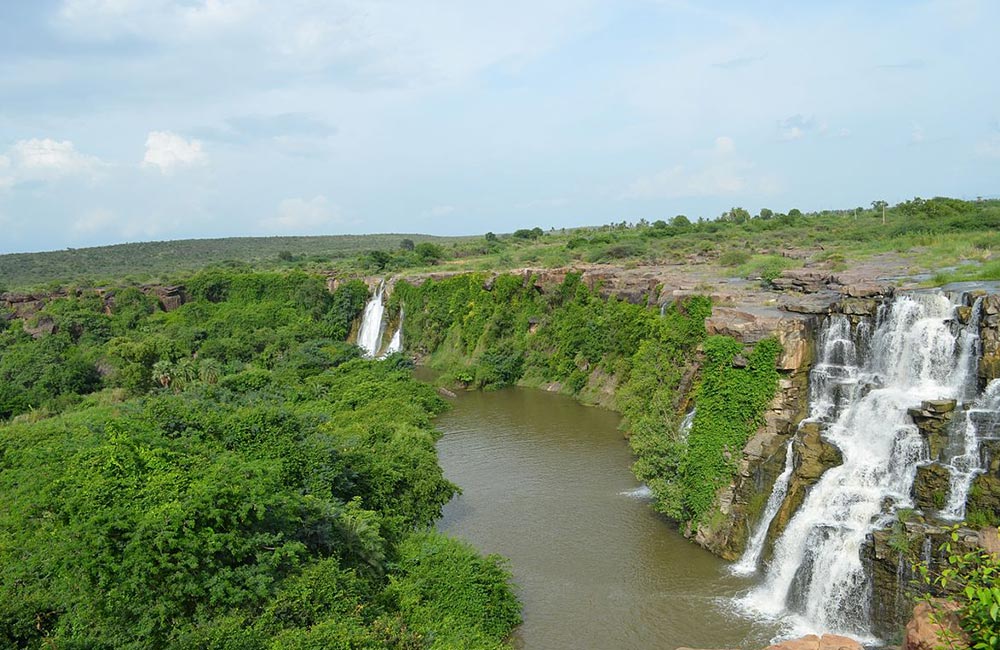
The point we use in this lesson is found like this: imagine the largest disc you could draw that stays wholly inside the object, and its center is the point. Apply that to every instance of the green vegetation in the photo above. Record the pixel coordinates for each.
(162, 261)
(926, 235)
(227, 475)
(731, 403)
(972, 579)
(608, 351)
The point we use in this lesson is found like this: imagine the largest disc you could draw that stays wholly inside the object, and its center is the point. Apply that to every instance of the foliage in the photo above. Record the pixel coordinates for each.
(732, 399)
(972, 579)
(244, 480)
(452, 596)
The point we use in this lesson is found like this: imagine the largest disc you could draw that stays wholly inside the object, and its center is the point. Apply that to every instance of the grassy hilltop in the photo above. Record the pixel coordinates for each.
(946, 238)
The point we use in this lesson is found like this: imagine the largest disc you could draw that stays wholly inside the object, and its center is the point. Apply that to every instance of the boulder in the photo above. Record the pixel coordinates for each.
(169, 297)
(931, 487)
(803, 281)
(984, 498)
(813, 456)
(819, 304)
(813, 642)
(932, 625)
(868, 290)
(932, 418)
(41, 326)
(858, 306)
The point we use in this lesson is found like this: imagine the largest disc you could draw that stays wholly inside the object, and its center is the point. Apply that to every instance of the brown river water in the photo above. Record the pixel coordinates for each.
(546, 483)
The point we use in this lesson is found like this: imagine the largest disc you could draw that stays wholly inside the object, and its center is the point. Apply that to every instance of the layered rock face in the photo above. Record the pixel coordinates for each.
(989, 336)
(25, 306)
(762, 459)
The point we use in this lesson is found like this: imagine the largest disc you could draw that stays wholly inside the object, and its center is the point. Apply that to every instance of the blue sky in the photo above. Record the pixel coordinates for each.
(128, 120)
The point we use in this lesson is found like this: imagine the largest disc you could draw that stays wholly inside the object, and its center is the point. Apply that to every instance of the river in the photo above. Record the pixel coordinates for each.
(546, 483)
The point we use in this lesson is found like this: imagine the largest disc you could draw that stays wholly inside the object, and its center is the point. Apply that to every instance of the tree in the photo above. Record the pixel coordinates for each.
(406, 245)
(680, 221)
(765, 213)
(429, 253)
(378, 259)
(491, 237)
(880, 205)
(736, 215)
(795, 213)
(525, 233)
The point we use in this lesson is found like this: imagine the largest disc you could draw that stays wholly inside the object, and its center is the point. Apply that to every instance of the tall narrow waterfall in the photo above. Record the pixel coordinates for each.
(866, 379)
(747, 565)
(396, 343)
(370, 333)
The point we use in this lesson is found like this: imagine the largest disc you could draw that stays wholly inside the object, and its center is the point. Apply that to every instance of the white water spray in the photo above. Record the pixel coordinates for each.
(370, 333)
(747, 565)
(816, 581)
(982, 418)
(687, 423)
(396, 343)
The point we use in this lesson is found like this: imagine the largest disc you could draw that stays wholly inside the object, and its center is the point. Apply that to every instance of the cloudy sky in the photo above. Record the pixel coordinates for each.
(127, 120)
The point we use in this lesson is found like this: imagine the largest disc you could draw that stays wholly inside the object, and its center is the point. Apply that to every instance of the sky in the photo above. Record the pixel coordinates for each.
(135, 120)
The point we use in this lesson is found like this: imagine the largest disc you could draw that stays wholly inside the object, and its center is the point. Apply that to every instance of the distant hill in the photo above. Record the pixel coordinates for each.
(941, 239)
(153, 260)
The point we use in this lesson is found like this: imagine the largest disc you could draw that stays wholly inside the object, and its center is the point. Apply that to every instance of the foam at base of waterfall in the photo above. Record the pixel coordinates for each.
(641, 492)
(816, 582)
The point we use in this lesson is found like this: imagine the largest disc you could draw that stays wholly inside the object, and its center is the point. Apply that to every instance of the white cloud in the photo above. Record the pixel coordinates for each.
(169, 151)
(301, 215)
(46, 159)
(917, 134)
(717, 171)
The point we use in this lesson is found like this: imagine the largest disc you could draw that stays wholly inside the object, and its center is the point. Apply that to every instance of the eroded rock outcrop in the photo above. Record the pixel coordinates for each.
(932, 418)
(763, 456)
(989, 336)
(934, 626)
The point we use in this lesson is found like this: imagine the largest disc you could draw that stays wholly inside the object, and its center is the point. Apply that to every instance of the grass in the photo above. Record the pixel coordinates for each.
(957, 239)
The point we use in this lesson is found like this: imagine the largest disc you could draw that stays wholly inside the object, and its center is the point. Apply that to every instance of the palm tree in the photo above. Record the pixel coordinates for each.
(209, 371)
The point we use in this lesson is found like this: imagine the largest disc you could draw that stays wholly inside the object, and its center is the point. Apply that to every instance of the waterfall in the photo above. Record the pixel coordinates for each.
(983, 416)
(396, 344)
(687, 423)
(370, 333)
(866, 379)
(747, 565)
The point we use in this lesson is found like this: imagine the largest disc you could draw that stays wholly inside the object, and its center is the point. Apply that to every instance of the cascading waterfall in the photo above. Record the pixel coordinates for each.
(982, 417)
(866, 379)
(370, 333)
(747, 564)
(396, 343)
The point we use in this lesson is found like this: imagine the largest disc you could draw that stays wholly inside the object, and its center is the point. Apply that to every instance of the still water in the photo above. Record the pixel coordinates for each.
(546, 483)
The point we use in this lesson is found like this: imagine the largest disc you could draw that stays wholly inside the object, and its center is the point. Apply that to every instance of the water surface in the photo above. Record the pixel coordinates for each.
(546, 483)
